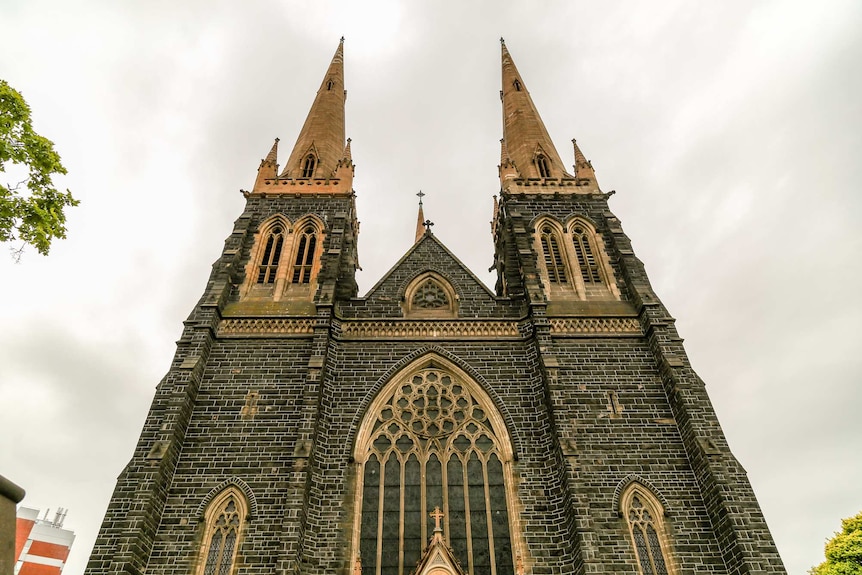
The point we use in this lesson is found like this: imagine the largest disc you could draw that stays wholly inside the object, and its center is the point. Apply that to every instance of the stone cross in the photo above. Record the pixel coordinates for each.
(427, 224)
(437, 515)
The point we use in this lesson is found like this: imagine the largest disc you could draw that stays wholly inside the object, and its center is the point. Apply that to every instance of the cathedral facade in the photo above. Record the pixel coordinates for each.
(553, 425)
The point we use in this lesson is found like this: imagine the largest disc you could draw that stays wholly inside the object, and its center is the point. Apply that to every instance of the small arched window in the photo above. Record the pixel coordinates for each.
(542, 164)
(430, 295)
(517, 84)
(303, 265)
(308, 166)
(329, 85)
(271, 256)
(646, 527)
(553, 256)
(224, 523)
(585, 253)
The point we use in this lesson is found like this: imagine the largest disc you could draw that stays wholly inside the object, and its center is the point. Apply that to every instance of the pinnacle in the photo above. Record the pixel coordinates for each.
(272, 156)
(583, 167)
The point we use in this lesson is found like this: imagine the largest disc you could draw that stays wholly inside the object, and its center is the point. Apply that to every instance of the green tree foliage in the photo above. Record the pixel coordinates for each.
(844, 551)
(32, 215)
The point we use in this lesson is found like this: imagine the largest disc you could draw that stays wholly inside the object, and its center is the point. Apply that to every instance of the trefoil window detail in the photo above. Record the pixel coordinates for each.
(430, 295)
(271, 255)
(304, 262)
(586, 256)
(553, 256)
(308, 166)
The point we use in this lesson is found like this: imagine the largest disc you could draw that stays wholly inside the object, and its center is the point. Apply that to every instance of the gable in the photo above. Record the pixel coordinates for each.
(428, 258)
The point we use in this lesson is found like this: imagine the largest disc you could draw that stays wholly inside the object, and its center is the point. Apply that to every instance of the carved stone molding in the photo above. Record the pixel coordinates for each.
(429, 329)
(266, 327)
(595, 325)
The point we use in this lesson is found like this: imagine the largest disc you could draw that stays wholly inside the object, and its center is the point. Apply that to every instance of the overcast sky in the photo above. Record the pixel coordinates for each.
(731, 131)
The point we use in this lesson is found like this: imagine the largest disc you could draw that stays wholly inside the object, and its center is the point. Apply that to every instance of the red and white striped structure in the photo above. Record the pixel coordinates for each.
(41, 545)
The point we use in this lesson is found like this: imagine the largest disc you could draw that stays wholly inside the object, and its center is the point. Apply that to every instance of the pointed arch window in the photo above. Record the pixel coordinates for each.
(268, 267)
(308, 166)
(517, 84)
(542, 165)
(430, 295)
(649, 538)
(224, 521)
(554, 262)
(303, 266)
(586, 254)
(431, 441)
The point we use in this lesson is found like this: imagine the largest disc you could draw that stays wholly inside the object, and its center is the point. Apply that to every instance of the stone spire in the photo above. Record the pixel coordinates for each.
(420, 220)
(526, 139)
(268, 168)
(322, 136)
(583, 168)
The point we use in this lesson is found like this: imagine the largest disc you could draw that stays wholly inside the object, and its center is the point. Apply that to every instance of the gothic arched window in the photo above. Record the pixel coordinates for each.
(584, 251)
(268, 266)
(224, 522)
(308, 166)
(517, 84)
(432, 439)
(542, 164)
(303, 265)
(645, 518)
(554, 262)
(430, 295)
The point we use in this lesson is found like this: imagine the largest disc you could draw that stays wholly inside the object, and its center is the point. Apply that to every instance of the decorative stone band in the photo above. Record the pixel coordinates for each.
(453, 329)
(428, 329)
(588, 326)
(266, 327)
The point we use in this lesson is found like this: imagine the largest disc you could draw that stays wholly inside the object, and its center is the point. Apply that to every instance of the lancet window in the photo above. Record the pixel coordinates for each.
(590, 269)
(268, 268)
(303, 265)
(224, 521)
(429, 441)
(285, 260)
(542, 165)
(308, 166)
(554, 262)
(647, 529)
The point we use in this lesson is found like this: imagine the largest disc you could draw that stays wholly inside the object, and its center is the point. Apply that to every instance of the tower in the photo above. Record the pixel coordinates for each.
(553, 425)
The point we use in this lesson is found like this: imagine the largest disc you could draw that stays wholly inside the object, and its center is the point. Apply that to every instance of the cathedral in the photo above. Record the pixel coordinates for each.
(432, 426)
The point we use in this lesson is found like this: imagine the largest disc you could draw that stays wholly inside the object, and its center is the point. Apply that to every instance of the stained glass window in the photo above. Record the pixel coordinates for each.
(432, 444)
(645, 535)
(224, 525)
